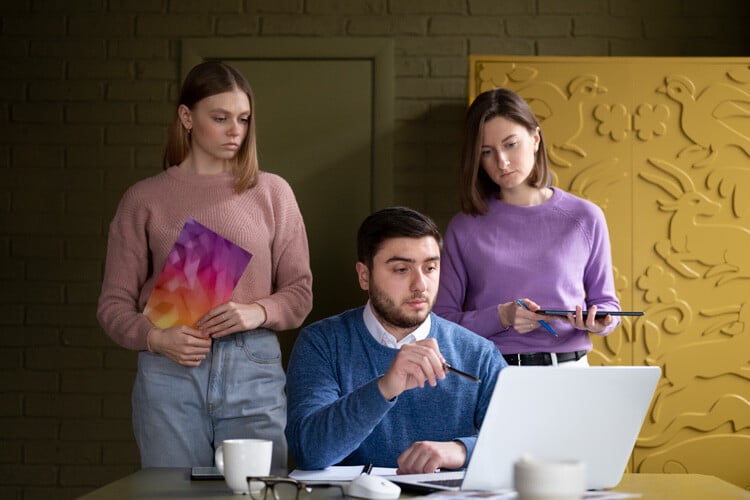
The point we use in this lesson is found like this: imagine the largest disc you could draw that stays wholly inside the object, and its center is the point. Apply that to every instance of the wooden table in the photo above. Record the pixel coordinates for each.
(149, 484)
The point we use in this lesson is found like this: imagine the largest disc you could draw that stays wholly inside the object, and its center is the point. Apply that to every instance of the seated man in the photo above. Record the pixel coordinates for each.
(356, 381)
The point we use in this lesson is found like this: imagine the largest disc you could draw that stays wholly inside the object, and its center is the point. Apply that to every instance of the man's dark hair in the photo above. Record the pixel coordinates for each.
(388, 223)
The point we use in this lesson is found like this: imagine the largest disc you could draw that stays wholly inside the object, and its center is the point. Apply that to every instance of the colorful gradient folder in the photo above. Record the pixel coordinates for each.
(200, 273)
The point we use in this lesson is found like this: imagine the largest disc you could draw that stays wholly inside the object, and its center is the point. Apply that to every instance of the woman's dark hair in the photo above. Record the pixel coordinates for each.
(388, 223)
(475, 185)
(204, 80)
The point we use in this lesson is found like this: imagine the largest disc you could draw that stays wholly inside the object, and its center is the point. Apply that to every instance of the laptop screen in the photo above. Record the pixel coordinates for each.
(591, 414)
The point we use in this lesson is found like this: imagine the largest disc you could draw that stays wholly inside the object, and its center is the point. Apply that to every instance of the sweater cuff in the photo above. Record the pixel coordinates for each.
(143, 343)
(374, 396)
(271, 311)
(610, 328)
(469, 443)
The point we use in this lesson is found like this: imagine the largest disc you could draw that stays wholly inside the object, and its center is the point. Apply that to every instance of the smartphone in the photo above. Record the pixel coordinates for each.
(599, 314)
(204, 473)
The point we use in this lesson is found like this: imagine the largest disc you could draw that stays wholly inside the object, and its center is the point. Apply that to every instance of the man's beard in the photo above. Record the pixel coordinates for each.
(391, 314)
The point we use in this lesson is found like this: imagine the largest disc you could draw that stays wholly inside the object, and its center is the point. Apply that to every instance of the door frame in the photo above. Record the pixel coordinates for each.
(377, 50)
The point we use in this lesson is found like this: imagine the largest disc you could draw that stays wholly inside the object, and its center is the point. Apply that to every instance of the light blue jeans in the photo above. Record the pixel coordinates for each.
(181, 414)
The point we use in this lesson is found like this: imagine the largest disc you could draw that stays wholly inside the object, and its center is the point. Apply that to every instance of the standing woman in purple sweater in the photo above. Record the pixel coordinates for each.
(221, 378)
(520, 244)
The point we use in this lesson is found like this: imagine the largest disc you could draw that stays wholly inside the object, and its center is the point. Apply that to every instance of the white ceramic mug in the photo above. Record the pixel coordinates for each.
(239, 458)
(543, 479)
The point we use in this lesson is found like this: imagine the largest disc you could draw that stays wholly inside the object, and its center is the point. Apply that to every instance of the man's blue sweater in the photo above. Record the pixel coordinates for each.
(337, 415)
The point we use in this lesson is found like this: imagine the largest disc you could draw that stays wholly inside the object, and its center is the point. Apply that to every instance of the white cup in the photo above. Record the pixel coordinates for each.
(543, 479)
(238, 459)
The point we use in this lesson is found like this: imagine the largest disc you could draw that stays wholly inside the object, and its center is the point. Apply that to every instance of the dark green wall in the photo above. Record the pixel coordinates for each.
(87, 88)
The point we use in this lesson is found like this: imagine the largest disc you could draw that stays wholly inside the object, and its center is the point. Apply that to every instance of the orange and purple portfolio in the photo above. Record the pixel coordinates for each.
(201, 272)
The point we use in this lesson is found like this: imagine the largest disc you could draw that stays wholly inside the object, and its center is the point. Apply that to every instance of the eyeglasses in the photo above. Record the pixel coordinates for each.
(285, 488)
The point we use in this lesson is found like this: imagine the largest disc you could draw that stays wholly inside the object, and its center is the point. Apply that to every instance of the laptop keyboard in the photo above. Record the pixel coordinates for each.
(446, 482)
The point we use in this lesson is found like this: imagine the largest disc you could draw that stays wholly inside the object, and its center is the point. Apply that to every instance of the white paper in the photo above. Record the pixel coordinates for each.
(474, 495)
(338, 473)
(508, 495)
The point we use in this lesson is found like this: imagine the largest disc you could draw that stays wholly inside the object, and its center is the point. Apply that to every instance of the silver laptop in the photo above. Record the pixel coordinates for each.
(590, 414)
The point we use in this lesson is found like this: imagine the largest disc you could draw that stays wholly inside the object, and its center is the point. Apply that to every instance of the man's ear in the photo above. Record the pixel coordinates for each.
(363, 275)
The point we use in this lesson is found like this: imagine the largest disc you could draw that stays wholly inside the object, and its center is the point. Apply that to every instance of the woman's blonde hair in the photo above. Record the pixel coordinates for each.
(204, 80)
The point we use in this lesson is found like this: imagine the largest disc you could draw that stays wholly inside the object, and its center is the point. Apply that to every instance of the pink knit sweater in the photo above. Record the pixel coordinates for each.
(265, 220)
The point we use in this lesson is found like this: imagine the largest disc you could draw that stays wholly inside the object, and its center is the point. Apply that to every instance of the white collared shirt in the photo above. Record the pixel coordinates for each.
(385, 338)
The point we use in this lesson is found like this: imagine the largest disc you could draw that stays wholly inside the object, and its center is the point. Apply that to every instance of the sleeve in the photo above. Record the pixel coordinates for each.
(598, 276)
(291, 300)
(323, 425)
(454, 282)
(126, 270)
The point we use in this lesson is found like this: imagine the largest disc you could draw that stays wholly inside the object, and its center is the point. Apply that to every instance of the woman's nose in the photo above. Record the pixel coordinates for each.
(235, 129)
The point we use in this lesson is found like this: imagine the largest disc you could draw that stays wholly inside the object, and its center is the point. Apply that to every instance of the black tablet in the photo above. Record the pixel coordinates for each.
(599, 314)
(202, 473)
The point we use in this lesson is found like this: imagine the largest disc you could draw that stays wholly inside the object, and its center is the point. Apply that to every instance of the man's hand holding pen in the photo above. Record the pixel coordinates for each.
(415, 364)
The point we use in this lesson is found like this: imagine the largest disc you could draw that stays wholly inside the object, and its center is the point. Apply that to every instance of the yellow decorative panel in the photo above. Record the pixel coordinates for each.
(662, 145)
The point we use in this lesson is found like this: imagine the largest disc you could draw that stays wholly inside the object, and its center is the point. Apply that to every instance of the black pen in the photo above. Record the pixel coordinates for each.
(366, 469)
(448, 367)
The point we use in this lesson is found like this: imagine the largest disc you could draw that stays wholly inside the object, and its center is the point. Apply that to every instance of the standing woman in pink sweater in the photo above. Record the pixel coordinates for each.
(222, 378)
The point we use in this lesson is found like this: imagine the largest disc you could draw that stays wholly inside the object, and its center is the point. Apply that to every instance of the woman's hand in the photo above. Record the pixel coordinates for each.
(231, 318)
(182, 344)
(521, 319)
(590, 323)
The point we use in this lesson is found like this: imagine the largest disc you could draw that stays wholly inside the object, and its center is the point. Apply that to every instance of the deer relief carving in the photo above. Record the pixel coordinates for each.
(723, 248)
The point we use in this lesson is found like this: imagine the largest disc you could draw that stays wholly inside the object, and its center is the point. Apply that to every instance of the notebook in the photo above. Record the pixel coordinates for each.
(592, 414)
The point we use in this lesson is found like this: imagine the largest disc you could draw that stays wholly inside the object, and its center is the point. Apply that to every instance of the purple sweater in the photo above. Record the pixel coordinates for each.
(556, 254)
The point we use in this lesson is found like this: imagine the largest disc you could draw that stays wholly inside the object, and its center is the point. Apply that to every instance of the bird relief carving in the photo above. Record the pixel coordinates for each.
(560, 113)
(713, 118)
